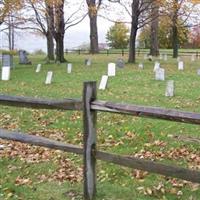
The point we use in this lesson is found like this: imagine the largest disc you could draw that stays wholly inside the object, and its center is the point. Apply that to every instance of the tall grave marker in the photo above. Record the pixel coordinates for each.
(111, 69)
(49, 77)
(103, 83)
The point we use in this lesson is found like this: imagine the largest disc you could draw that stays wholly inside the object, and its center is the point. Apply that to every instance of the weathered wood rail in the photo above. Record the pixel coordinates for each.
(90, 106)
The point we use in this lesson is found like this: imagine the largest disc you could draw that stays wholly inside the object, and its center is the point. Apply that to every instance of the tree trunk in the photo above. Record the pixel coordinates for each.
(134, 28)
(154, 49)
(59, 31)
(93, 35)
(92, 10)
(50, 46)
(60, 48)
(175, 39)
(49, 34)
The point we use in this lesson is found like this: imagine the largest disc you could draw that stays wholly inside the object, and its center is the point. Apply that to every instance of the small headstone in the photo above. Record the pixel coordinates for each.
(178, 59)
(141, 66)
(192, 57)
(169, 92)
(23, 59)
(150, 57)
(156, 66)
(7, 60)
(5, 74)
(198, 72)
(69, 68)
(145, 56)
(160, 74)
(49, 77)
(111, 69)
(103, 83)
(88, 62)
(120, 63)
(180, 65)
(38, 68)
(165, 57)
(161, 56)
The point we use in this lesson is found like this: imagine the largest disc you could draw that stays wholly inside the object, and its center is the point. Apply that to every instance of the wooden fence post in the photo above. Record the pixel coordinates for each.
(89, 120)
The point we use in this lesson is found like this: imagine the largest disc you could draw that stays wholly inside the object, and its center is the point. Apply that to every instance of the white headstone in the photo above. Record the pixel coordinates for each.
(69, 68)
(169, 92)
(198, 72)
(161, 56)
(38, 68)
(141, 66)
(5, 74)
(150, 57)
(111, 69)
(165, 57)
(178, 59)
(192, 57)
(156, 66)
(88, 62)
(49, 77)
(160, 74)
(180, 65)
(145, 56)
(103, 83)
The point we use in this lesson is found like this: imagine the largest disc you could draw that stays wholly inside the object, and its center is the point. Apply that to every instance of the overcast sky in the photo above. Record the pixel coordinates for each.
(74, 36)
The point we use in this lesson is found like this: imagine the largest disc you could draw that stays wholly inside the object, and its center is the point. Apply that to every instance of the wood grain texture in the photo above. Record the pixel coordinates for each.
(151, 166)
(145, 111)
(39, 141)
(65, 104)
(89, 123)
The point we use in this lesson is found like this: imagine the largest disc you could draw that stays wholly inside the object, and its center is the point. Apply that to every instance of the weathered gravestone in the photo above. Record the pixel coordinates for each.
(5, 74)
(69, 68)
(169, 92)
(88, 62)
(165, 57)
(198, 72)
(192, 57)
(145, 56)
(156, 66)
(120, 63)
(38, 68)
(111, 69)
(7, 60)
(160, 74)
(23, 59)
(49, 77)
(141, 66)
(180, 65)
(103, 83)
(150, 57)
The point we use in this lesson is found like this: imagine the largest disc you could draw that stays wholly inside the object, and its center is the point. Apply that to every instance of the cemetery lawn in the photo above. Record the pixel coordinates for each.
(37, 173)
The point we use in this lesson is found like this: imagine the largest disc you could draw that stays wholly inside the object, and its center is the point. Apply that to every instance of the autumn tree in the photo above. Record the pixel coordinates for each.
(194, 37)
(118, 36)
(164, 34)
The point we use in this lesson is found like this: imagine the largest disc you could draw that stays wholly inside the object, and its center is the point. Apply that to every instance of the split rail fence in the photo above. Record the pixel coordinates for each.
(90, 105)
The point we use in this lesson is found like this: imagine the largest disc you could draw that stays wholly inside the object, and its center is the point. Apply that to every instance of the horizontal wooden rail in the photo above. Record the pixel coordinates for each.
(150, 166)
(39, 141)
(145, 111)
(66, 104)
(136, 163)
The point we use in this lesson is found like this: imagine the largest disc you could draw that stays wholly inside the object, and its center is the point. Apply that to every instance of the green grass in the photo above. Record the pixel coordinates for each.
(119, 134)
